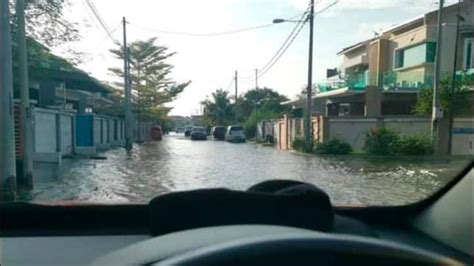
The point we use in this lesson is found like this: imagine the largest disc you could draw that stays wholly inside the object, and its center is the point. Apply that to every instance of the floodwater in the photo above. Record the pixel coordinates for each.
(177, 163)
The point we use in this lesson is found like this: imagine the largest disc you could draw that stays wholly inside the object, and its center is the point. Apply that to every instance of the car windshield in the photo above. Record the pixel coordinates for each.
(236, 128)
(371, 101)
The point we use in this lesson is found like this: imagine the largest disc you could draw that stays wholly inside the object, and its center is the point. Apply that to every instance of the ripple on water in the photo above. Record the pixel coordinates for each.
(176, 164)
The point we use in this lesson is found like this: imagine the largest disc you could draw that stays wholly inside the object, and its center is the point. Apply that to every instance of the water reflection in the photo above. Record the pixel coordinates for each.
(177, 163)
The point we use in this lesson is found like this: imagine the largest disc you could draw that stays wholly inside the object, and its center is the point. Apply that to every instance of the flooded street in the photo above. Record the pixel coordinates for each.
(177, 163)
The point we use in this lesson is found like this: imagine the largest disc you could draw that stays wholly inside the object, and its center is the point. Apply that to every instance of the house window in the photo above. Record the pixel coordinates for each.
(415, 55)
(468, 55)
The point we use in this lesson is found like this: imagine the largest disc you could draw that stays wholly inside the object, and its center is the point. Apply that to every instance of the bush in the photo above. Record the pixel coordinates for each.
(333, 146)
(250, 125)
(415, 145)
(381, 141)
(298, 144)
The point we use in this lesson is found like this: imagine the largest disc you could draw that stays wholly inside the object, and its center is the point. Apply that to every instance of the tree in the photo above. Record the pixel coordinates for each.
(453, 102)
(151, 86)
(45, 22)
(264, 99)
(218, 111)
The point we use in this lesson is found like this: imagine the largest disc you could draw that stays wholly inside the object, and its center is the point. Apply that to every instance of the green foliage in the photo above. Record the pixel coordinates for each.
(384, 141)
(381, 141)
(415, 145)
(46, 23)
(298, 144)
(453, 102)
(150, 80)
(255, 105)
(250, 125)
(333, 146)
(218, 110)
(262, 99)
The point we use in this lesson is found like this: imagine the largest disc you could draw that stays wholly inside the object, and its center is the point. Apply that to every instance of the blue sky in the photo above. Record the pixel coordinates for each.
(211, 61)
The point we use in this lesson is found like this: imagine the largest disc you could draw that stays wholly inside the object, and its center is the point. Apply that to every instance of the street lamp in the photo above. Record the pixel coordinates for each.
(280, 20)
(309, 89)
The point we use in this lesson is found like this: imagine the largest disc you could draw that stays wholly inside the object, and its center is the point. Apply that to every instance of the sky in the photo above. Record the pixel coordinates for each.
(210, 62)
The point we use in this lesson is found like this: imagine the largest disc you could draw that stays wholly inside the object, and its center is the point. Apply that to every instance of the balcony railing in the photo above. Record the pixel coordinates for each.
(355, 81)
(406, 81)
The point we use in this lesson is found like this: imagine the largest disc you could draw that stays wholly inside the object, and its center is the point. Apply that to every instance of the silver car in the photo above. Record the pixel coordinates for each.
(235, 133)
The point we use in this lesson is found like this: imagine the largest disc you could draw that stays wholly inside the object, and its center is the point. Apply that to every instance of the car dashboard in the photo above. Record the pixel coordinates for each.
(120, 235)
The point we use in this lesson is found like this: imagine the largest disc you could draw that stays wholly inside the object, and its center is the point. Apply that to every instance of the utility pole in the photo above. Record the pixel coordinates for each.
(25, 110)
(436, 112)
(309, 89)
(236, 90)
(128, 93)
(459, 18)
(7, 143)
(256, 78)
(236, 96)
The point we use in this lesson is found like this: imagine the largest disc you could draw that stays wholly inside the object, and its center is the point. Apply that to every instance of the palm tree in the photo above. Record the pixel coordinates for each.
(150, 79)
(219, 109)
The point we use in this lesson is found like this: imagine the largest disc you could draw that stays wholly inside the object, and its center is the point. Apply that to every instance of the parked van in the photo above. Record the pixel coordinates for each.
(235, 133)
(218, 132)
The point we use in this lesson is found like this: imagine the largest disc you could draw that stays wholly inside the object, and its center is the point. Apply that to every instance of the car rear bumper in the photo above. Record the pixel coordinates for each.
(196, 136)
(236, 139)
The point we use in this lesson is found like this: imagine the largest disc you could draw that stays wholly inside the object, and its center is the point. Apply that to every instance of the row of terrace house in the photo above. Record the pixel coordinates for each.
(65, 110)
(378, 82)
(382, 75)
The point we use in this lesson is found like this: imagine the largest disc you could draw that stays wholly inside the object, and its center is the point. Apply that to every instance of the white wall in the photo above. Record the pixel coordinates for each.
(463, 136)
(409, 125)
(104, 131)
(66, 134)
(111, 130)
(45, 131)
(351, 130)
(97, 130)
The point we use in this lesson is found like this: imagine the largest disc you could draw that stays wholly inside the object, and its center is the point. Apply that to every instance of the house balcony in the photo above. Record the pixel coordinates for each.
(355, 61)
(355, 81)
(407, 81)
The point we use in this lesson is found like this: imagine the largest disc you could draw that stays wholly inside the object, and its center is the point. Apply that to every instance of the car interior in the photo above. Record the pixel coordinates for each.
(273, 222)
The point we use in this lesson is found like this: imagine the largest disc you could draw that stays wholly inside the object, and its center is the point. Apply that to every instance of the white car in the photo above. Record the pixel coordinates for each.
(235, 133)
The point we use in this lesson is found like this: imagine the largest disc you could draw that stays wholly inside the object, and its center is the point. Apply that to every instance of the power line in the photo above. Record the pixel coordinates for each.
(108, 36)
(194, 34)
(286, 44)
(269, 62)
(101, 21)
(282, 52)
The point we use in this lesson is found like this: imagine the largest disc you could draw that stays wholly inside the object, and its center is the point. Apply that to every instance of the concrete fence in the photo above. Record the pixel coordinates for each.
(53, 134)
(58, 134)
(354, 129)
(142, 131)
(97, 133)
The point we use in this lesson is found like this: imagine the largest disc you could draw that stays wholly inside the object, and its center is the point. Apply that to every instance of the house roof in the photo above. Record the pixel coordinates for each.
(354, 46)
(403, 24)
(42, 65)
(422, 16)
(396, 27)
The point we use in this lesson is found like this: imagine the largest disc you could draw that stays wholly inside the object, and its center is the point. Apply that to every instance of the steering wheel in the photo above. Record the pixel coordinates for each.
(307, 249)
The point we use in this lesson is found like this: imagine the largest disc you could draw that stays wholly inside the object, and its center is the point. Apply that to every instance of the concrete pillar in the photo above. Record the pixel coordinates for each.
(373, 101)
(58, 132)
(324, 129)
